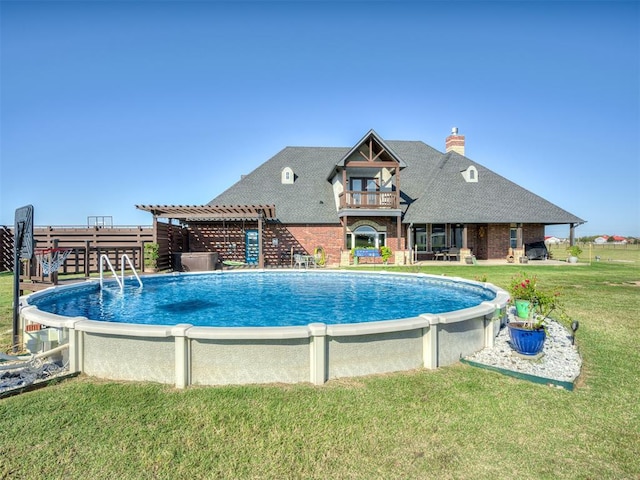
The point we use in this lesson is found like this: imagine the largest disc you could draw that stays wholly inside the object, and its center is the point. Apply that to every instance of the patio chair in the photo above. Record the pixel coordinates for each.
(299, 261)
(440, 255)
(453, 253)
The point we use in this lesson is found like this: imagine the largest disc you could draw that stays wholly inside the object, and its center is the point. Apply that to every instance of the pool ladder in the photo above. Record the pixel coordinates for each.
(125, 258)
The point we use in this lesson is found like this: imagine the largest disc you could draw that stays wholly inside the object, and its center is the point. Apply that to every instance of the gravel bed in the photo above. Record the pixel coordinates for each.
(560, 360)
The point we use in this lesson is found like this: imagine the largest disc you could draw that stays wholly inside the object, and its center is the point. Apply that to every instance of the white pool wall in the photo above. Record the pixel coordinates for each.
(185, 355)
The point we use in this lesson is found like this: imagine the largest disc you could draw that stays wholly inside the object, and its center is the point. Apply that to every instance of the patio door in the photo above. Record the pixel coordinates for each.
(359, 185)
(252, 247)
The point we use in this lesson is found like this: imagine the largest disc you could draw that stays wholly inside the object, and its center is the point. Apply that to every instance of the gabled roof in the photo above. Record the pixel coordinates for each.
(433, 189)
(371, 134)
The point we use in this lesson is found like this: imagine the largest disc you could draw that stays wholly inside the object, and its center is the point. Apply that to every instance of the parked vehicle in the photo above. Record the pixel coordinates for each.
(536, 251)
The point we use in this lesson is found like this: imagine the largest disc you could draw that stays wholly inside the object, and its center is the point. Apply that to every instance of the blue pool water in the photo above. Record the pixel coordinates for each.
(264, 299)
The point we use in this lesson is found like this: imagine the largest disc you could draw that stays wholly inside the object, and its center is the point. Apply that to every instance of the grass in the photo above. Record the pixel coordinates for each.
(457, 422)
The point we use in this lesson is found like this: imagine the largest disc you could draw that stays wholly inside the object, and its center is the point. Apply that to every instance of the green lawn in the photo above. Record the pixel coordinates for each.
(457, 422)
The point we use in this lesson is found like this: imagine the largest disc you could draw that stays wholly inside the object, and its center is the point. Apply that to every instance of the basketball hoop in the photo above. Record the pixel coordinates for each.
(51, 259)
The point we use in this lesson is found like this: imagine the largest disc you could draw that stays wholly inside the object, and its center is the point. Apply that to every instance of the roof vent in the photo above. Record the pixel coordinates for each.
(470, 174)
(287, 176)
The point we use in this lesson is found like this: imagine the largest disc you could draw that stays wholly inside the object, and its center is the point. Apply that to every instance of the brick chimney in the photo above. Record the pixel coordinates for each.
(455, 142)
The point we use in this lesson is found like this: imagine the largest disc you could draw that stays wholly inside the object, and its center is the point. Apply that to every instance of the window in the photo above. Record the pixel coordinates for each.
(470, 174)
(438, 237)
(287, 176)
(359, 185)
(365, 237)
(421, 238)
(456, 236)
(513, 237)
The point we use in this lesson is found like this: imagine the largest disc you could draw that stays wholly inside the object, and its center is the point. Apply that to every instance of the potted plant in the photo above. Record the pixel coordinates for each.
(385, 253)
(527, 335)
(151, 254)
(523, 290)
(574, 253)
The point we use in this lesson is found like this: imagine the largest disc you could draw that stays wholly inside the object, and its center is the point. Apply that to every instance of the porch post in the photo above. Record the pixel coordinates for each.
(519, 236)
(464, 236)
(343, 202)
(397, 196)
(344, 230)
(399, 231)
(260, 254)
(572, 234)
(409, 247)
(155, 229)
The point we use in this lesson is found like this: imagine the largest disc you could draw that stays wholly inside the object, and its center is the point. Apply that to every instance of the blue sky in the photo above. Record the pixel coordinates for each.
(109, 104)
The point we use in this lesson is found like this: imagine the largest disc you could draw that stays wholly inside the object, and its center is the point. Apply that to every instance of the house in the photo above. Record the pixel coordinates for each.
(551, 240)
(406, 195)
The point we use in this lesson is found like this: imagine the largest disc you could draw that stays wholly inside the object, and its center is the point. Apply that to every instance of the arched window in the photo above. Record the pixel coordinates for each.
(366, 237)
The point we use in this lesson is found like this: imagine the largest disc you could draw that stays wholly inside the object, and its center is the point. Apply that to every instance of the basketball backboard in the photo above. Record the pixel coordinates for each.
(23, 232)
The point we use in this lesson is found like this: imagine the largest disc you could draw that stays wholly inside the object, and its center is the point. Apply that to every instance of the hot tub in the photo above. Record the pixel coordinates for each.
(196, 261)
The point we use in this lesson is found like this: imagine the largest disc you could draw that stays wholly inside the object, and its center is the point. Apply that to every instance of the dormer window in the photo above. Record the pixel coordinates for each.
(287, 176)
(470, 174)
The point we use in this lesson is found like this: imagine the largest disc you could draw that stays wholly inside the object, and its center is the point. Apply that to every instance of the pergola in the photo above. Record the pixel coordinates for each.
(203, 213)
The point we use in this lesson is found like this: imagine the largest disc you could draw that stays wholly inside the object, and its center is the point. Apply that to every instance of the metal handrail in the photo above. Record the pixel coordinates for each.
(133, 269)
(120, 280)
(104, 258)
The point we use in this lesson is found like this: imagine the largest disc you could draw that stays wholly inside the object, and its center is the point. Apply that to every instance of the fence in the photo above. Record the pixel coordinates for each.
(87, 244)
(6, 249)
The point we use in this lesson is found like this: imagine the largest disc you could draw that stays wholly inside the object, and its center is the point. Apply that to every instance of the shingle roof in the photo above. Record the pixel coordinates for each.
(433, 190)
(448, 197)
(309, 199)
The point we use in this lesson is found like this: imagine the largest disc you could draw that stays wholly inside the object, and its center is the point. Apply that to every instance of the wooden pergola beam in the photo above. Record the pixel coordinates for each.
(211, 212)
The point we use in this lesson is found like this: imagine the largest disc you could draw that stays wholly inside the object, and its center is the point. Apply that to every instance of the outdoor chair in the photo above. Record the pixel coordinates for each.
(440, 255)
(453, 253)
(299, 261)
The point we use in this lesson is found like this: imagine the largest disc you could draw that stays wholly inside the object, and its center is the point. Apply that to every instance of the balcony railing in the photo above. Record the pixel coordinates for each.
(356, 199)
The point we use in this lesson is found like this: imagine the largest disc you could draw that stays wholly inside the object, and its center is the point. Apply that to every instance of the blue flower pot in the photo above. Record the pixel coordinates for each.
(522, 308)
(526, 341)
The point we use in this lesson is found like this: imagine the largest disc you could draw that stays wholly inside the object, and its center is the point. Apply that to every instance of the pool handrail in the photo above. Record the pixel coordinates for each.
(104, 258)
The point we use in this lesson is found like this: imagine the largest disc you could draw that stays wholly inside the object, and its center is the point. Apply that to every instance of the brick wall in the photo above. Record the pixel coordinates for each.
(532, 233)
(278, 240)
(499, 239)
(493, 241)
(329, 237)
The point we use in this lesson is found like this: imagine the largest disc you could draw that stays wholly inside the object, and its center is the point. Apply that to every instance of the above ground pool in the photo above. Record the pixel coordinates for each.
(264, 299)
(255, 326)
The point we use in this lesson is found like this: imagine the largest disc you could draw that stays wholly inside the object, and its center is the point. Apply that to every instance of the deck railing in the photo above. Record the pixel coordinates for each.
(364, 199)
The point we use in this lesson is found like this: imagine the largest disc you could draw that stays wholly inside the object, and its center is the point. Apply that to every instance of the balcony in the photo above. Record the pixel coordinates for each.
(369, 200)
